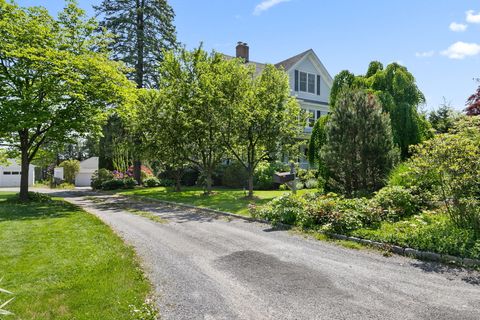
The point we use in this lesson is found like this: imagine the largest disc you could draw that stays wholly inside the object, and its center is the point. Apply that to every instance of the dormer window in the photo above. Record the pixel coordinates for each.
(307, 82)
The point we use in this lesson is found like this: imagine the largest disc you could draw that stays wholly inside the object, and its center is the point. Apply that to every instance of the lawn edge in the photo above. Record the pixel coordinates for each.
(399, 250)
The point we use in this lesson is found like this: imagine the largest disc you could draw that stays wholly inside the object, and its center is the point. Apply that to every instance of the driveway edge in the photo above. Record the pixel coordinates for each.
(403, 251)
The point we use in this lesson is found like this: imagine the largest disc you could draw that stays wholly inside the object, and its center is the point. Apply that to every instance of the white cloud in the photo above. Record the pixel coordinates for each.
(425, 54)
(460, 50)
(473, 17)
(265, 5)
(458, 27)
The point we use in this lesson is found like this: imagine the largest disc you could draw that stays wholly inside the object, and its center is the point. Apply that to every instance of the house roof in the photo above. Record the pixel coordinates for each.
(290, 62)
(258, 66)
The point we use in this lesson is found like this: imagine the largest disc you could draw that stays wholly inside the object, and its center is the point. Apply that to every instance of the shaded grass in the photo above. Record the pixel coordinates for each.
(228, 200)
(63, 263)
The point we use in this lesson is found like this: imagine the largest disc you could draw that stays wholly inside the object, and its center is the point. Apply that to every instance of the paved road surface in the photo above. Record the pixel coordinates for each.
(210, 267)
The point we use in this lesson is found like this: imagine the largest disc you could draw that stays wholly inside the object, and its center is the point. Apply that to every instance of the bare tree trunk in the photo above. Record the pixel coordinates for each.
(25, 164)
(178, 180)
(250, 182)
(208, 181)
(137, 171)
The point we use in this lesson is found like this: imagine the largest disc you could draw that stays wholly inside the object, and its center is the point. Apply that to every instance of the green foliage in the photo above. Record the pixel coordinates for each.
(142, 31)
(345, 79)
(428, 231)
(397, 202)
(151, 182)
(317, 141)
(70, 169)
(129, 183)
(443, 119)
(397, 91)
(235, 175)
(359, 151)
(147, 311)
(99, 177)
(57, 79)
(263, 121)
(113, 184)
(263, 179)
(448, 166)
(282, 210)
(35, 197)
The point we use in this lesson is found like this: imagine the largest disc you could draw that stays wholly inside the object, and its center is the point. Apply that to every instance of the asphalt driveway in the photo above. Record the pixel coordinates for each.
(211, 267)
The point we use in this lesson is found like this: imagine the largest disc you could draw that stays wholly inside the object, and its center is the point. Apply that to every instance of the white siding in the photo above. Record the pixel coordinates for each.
(8, 179)
(307, 65)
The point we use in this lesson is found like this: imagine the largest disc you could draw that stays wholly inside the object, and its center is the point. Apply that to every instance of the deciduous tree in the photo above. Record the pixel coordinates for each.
(55, 78)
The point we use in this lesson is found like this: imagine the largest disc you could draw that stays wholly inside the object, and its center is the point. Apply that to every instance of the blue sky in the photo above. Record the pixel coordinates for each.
(437, 40)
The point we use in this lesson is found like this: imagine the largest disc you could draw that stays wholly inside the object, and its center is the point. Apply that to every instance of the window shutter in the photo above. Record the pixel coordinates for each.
(296, 80)
(318, 85)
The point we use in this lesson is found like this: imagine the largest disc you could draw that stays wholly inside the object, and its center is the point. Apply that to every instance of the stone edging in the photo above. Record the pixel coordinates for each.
(403, 251)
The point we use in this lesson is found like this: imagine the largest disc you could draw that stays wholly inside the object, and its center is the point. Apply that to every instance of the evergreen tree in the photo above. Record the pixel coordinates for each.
(359, 150)
(143, 29)
(443, 119)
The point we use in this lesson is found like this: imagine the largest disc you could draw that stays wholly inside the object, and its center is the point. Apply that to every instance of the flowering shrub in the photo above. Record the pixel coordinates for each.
(397, 202)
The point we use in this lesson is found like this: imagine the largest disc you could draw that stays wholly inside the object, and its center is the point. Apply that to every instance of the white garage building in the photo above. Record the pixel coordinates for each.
(10, 174)
(87, 168)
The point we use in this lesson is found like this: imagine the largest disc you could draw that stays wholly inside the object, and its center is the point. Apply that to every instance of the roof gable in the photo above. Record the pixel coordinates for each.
(294, 61)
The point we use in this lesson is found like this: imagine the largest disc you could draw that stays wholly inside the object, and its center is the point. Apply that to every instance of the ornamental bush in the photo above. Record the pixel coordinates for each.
(70, 170)
(397, 202)
(113, 184)
(284, 209)
(151, 182)
(99, 177)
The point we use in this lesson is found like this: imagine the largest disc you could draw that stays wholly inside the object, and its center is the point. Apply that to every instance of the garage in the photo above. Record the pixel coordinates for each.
(11, 173)
(87, 169)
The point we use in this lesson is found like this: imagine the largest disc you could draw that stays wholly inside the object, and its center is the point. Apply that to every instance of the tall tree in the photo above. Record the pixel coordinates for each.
(359, 151)
(264, 121)
(396, 88)
(55, 78)
(143, 30)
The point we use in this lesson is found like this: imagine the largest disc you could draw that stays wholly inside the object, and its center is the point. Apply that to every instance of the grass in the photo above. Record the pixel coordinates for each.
(428, 231)
(228, 200)
(63, 263)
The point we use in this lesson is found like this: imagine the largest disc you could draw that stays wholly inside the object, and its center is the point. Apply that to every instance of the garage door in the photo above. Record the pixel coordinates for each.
(83, 179)
(10, 179)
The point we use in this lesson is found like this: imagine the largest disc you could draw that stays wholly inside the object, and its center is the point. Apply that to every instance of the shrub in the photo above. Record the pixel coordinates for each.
(263, 179)
(99, 177)
(167, 182)
(234, 175)
(70, 170)
(449, 165)
(397, 202)
(129, 183)
(113, 184)
(33, 197)
(311, 183)
(151, 182)
(284, 209)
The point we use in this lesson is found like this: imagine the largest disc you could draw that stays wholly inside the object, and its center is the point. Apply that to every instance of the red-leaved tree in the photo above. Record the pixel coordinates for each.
(473, 104)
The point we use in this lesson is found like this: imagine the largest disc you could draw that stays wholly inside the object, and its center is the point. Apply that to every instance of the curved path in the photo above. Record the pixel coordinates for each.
(209, 267)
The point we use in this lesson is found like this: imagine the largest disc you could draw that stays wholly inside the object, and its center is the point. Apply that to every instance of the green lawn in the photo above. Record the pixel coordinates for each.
(229, 200)
(63, 263)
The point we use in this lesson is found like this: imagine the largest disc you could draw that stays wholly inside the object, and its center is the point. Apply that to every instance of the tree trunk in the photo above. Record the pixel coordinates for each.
(178, 180)
(24, 171)
(208, 181)
(137, 171)
(250, 183)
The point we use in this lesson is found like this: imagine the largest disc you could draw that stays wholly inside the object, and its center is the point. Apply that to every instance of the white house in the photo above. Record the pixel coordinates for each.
(10, 174)
(310, 83)
(87, 168)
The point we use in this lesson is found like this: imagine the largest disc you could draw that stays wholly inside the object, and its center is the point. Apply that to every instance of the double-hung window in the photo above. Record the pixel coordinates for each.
(307, 82)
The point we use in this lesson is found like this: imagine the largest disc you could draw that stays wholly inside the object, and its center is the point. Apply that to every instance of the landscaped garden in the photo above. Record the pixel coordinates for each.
(60, 262)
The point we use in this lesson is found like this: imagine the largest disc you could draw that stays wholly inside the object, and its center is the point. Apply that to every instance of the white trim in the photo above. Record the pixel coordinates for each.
(318, 65)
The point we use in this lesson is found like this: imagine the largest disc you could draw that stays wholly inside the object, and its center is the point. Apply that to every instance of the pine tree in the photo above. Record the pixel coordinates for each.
(142, 30)
(359, 150)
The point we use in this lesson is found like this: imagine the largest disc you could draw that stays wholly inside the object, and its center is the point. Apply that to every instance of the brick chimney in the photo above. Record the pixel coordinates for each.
(242, 51)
